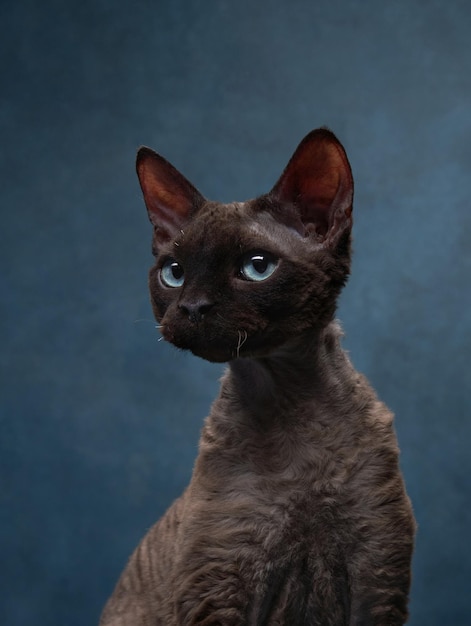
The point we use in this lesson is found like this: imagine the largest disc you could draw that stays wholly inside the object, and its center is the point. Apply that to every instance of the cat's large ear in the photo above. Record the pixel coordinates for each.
(169, 197)
(318, 183)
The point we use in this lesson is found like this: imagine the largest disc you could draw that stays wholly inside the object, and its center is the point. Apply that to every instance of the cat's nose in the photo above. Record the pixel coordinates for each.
(195, 310)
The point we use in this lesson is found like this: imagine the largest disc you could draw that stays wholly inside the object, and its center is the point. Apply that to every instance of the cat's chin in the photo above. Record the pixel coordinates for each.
(219, 354)
(222, 348)
(213, 354)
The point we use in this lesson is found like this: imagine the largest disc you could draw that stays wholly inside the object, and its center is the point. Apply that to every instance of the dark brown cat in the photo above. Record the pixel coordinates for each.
(296, 513)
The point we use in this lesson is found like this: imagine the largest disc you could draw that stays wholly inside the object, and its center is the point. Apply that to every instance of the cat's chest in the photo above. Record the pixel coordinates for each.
(308, 464)
(284, 484)
(287, 502)
(279, 507)
(287, 551)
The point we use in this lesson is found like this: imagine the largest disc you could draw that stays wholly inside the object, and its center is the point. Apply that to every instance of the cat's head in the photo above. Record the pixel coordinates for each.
(241, 279)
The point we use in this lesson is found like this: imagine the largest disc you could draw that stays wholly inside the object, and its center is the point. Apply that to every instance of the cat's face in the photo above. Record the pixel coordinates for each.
(242, 279)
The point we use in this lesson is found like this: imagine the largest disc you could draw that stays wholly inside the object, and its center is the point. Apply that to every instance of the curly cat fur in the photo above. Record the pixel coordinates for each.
(296, 513)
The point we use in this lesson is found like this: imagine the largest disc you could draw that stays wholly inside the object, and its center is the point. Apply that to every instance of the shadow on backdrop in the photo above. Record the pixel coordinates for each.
(99, 420)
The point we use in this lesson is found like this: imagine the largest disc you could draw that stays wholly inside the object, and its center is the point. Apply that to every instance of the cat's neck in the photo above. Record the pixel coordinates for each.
(274, 411)
(311, 365)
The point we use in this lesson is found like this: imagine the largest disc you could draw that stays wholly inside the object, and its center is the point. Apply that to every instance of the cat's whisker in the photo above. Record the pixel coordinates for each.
(156, 326)
(144, 319)
(241, 341)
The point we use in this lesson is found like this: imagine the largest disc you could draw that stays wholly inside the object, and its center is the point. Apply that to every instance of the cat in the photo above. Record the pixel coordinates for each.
(296, 513)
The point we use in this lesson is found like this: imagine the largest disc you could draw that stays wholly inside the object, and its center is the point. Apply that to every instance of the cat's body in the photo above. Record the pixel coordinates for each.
(296, 513)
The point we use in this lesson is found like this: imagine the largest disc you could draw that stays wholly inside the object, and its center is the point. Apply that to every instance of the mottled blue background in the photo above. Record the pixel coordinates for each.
(99, 421)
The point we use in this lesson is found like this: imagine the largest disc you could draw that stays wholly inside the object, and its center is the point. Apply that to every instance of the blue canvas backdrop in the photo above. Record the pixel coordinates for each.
(99, 420)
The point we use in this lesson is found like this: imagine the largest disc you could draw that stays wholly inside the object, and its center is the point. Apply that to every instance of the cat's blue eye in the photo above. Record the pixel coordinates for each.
(172, 274)
(258, 266)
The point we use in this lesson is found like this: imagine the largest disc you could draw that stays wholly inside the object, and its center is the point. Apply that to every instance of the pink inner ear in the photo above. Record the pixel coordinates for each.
(169, 197)
(318, 182)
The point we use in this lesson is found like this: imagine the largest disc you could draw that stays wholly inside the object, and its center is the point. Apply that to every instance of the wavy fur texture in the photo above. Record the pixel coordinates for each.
(296, 513)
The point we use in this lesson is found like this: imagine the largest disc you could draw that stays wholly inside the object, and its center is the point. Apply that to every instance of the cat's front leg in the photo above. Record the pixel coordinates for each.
(211, 593)
(378, 608)
(379, 575)
(142, 596)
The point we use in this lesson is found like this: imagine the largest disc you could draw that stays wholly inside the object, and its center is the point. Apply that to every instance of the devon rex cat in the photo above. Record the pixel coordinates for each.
(296, 514)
